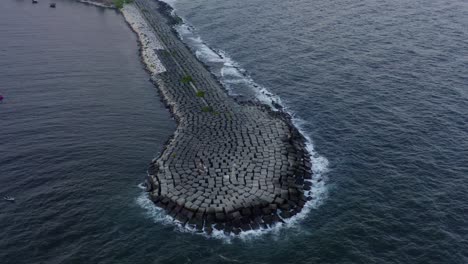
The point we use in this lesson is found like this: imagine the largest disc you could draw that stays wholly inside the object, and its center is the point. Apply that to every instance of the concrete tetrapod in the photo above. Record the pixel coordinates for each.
(230, 165)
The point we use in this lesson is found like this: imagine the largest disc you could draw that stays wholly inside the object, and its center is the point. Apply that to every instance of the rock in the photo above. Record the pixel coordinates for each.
(231, 163)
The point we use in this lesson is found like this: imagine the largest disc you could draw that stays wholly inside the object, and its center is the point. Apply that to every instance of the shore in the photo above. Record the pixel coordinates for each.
(230, 166)
(101, 3)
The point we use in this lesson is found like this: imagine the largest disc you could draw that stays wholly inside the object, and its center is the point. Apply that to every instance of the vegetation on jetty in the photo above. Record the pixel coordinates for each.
(187, 79)
(200, 94)
(120, 3)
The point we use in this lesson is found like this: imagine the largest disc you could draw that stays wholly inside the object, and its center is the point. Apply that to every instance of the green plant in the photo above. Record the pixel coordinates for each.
(120, 3)
(207, 109)
(186, 79)
(200, 94)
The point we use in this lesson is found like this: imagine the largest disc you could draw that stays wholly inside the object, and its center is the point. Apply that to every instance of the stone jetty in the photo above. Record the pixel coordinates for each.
(231, 166)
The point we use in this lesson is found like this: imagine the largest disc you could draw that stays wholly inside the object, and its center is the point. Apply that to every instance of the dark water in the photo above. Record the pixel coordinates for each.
(381, 87)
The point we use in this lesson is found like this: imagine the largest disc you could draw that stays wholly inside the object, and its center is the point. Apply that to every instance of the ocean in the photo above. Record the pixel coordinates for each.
(380, 89)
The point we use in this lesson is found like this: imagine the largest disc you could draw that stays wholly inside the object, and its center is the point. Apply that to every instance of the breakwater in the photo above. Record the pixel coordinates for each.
(231, 166)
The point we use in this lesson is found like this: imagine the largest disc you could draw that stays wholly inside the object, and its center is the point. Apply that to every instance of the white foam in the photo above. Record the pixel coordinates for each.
(232, 73)
(156, 213)
(228, 259)
(142, 186)
(202, 51)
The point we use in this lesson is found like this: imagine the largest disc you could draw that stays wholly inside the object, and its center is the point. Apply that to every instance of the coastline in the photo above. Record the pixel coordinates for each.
(105, 4)
(147, 40)
(281, 192)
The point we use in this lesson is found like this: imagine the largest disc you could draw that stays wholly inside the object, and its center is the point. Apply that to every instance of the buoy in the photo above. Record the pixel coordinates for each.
(34, 1)
(1, 97)
(52, 5)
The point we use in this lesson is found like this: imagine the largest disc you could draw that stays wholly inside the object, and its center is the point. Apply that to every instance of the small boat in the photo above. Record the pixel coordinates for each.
(8, 198)
(34, 1)
(52, 5)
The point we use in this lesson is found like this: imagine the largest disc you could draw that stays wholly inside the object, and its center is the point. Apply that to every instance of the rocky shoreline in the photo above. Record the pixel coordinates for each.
(231, 166)
(148, 41)
(101, 3)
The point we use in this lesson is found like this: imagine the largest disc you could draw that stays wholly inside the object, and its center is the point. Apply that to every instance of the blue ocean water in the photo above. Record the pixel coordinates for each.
(380, 87)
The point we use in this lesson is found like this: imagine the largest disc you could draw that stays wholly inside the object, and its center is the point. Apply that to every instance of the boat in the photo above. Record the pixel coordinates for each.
(52, 5)
(8, 198)
(34, 1)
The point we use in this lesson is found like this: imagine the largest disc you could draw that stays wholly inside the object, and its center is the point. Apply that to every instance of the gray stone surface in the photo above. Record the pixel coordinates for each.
(236, 164)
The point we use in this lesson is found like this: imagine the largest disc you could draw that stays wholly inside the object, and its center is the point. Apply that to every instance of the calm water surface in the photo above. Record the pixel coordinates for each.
(381, 88)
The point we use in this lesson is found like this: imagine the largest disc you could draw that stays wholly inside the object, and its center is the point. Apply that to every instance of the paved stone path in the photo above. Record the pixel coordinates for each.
(230, 166)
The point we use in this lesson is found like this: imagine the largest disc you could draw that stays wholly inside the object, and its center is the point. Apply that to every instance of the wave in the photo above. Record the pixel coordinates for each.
(237, 81)
(234, 78)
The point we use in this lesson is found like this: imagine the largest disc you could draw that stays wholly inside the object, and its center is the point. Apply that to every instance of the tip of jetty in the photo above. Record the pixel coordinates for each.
(229, 166)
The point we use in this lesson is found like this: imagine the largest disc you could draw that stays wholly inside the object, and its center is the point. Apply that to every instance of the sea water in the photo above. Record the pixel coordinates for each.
(379, 88)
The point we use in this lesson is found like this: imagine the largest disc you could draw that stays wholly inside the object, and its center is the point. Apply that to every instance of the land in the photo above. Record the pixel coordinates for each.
(108, 3)
(231, 165)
